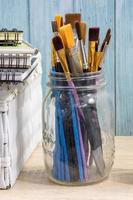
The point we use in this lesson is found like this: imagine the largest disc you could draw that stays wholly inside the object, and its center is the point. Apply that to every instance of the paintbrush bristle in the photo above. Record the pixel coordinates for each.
(70, 18)
(94, 34)
(59, 20)
(78, 30)
(108, 35)
(106, 39)
(54, 26)
(83, 30)
(58, 43)
(67, 35)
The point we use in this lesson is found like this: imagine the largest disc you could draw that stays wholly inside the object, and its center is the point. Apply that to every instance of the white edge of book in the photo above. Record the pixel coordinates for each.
(15, 50)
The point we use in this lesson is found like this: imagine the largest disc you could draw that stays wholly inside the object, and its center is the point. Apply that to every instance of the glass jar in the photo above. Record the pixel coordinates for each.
(78, 127)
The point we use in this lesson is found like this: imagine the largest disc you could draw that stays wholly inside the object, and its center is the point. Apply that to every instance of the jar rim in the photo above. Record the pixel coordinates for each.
(86, 81)
(89, 75)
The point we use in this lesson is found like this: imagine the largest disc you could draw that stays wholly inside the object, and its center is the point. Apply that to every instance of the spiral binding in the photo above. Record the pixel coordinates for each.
(15, 64)
(16, 75)
(14, 60)
(7, 40)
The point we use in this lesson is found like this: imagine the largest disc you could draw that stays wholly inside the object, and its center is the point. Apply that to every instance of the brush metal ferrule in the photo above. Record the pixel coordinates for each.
(74, 60)
(54, 56)
(83, 55)
(75, 38)
(103, 56)
(98, 58)
(91, 55)
(104, 53)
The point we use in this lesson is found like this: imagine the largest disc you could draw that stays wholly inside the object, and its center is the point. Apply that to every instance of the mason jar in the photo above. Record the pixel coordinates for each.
(78, 129)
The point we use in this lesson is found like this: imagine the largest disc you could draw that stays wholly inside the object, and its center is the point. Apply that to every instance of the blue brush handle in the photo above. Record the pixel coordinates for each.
(79, 114)
(63, 143)
(56, 153)
(77, 139)
(60, 169)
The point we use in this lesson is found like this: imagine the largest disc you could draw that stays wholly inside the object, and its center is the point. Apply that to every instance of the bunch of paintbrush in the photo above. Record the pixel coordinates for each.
(76, 126)
(89, 108)
(67, 124)
(77, 164)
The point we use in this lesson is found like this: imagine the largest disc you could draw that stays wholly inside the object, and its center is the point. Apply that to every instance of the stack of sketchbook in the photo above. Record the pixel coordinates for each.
(17, 57)
(20, 104)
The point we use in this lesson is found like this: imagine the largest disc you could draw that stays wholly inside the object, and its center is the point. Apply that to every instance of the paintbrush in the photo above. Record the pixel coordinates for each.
(56, 65)
(94, 126)
(85, 82)
(90, 113)
(93, 47)
(67, 124)
(104, 47)
(60, 152)
(58, 44)
(53, 52)
(81, 47)
(94, 132)
(67, 35)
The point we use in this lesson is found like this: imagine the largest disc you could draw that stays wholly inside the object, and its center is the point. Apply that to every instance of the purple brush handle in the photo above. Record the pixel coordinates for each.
(75, 95)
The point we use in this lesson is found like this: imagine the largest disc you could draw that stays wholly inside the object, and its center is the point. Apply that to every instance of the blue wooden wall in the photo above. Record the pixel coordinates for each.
(34, 16)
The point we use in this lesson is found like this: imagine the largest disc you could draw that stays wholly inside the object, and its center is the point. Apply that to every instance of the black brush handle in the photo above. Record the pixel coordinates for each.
(58, 67)
(84, 135)
(83, 123)
(94, 131)
(91, 117)
(93, 126)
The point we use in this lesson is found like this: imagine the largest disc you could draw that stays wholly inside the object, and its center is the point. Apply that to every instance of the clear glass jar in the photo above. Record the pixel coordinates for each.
(78, 129)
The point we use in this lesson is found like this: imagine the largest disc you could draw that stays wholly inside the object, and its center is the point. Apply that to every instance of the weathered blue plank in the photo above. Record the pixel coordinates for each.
(14, 14)
(34, 16)
(124, 67)
(41, 14)
(101, 13)
(38, 29)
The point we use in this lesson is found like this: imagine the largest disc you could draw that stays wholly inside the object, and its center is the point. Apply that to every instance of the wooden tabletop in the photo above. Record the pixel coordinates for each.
(32, 183)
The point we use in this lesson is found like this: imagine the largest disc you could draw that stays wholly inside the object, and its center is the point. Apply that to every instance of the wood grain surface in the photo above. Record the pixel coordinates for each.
(34, 16)
(33, 184)
(124, 69)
